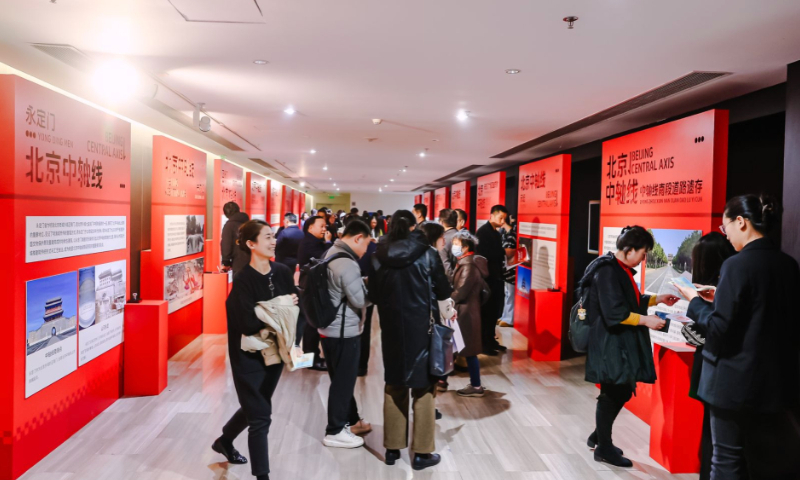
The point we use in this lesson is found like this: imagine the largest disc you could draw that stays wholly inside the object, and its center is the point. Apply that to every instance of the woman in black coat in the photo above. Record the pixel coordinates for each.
(261, 280)
(407, 281)
(619, 354)
(751, 370)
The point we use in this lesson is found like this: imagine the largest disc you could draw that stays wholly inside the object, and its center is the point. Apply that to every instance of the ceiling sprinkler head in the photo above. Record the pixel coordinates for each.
(571, 21)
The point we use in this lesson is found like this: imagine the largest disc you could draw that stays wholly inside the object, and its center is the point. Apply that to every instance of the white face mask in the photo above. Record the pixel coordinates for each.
(456, 249)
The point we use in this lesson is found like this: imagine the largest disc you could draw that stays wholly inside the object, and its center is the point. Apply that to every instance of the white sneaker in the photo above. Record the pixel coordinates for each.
(343, 439)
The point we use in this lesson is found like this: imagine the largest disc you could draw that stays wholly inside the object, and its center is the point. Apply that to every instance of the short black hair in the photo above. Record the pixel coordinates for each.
(467, 239)
(230, 209)
(291, 217)
(433, 231)
(635, 238)
(422, 208)
(462, 215)
(354, 210)
(499, 208)
(355, 227)
(310, 222)
(448, 217)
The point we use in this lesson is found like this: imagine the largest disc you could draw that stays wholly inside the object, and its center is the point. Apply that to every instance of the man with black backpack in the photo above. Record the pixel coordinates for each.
(340, 321)
(316, 241)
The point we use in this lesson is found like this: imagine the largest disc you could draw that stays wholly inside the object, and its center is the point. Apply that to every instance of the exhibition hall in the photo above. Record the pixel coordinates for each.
(444, 240)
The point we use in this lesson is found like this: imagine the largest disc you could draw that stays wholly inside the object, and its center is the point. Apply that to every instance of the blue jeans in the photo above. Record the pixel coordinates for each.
(508, 305)
(474, 367)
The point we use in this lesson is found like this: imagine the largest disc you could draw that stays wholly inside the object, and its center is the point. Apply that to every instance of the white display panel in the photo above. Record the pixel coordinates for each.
(183, 283)
(50, 238)
(101, 309)
(545, 230)
(183, 235)
(543, 264)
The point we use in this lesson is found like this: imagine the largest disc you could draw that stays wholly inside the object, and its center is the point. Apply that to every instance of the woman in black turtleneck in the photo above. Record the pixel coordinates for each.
(255, 382)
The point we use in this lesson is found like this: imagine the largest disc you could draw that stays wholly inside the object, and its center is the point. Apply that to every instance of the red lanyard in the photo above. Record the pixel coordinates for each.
(635, 286)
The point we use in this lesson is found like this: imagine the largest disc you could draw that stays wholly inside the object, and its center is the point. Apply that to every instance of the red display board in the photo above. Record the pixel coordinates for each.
(459, 196)
(441, 200)
(302, 204)
(491, 192)
(286, 205)
(543, 236)
(427, 200)
(296, 203)
(417, 199)
(275, 203)
(257, 196)
(178, 191)
(67, 167)
(228, 187)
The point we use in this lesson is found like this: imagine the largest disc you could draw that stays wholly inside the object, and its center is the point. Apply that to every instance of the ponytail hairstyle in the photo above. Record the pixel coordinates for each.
(763, 211)
(400, 228)
(250, 230)
(635, 238)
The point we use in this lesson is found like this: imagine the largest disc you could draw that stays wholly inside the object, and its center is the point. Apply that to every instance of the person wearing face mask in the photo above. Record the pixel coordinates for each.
(619, 353)
(751, 358)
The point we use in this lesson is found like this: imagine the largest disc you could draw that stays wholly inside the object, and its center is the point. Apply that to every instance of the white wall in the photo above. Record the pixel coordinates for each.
(388, 202)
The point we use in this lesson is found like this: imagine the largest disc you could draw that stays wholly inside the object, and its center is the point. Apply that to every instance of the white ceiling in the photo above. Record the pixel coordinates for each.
(413, 63)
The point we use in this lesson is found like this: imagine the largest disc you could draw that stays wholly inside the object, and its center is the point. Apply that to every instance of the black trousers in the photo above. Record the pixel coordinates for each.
(310, 338)
(611, 400)
(491, 312)
(342, 354)
(366, 335)
(255, 397)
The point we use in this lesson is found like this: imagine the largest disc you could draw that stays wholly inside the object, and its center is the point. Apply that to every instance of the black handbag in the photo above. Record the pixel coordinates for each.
(441, 346)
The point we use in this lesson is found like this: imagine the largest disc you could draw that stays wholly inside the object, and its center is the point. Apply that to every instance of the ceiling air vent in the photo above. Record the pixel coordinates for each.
(674, 87)
(67, 54)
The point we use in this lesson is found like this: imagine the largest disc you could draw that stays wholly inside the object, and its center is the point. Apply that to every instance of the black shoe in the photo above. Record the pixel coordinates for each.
(320, 366)
(392, 456)
(592, 442)
(233, 455)
(612, 457)
(502, 348)
(361, 373)
(491, 352)
(425, 460)
(459, 368)
(438, 414)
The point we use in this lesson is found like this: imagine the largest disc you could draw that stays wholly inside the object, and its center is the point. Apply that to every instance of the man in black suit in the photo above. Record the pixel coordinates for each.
(289, 243)
(490, 246)
(316, 241)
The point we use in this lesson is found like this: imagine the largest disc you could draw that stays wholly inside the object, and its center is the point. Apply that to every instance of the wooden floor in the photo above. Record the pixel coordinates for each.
(532, 425)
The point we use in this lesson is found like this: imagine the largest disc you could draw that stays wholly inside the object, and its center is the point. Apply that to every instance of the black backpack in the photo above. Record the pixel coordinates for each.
(579, 322)
(315, 298)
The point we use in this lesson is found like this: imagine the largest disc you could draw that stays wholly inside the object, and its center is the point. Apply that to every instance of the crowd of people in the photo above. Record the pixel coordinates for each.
(419, 272)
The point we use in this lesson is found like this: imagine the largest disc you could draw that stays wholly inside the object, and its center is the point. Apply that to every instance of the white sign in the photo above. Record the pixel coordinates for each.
(183, 283)
(479, 223)
(183, 235)
(546, 230)
(543, 264)
(51, 321)
(101, 309)
(49, 238)
(274, 218)
(609, 244)
(258, 216)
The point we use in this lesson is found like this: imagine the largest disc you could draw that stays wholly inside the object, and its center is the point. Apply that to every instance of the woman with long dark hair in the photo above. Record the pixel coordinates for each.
(620, 354)
(407, 281)
(261, 280)
(751, 359)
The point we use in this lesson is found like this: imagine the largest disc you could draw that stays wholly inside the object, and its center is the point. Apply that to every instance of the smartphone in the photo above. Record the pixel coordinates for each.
(664, 316)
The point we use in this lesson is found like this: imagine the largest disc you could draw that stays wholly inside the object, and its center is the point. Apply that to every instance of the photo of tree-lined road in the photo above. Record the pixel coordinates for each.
(671, 257)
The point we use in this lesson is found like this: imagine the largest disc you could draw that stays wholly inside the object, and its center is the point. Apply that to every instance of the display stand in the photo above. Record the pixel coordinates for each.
(545, 330)
(216, 292)
(146, 346)
(676, 424)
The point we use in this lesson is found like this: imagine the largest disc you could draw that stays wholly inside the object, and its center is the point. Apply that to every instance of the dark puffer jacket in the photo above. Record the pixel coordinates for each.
(618, 354)
(408, 280)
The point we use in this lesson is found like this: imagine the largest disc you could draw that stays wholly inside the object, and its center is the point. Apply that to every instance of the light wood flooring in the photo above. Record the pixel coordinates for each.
(532, 425)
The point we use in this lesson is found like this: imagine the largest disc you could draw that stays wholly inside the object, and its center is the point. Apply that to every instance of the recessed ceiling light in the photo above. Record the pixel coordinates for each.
(404, 170)
(513, 71)
(391, 179)
(289, 110)
(302, 184)
(462, 115)
(380, 189)
(313, 151)
(334, 184)
(422, 154)
(325, 167)
(337, 189)
(386, 186)
(260, 62)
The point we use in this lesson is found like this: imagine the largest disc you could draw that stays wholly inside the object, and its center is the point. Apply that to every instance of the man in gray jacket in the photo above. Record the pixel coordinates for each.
(341, 340)
(448, 218)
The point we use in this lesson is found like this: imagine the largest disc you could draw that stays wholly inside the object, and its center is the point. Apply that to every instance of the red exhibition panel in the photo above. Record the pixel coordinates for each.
(441, 200)
(459, 196)
(427, 200)
(228, 187)
(275, 203)
(173, 268)
(65, 203)
(491, 192)
(286, 207)
(302, 204)
(417, 199)
(257, 196)
(543, 243)
(670, 179)
(296, 203)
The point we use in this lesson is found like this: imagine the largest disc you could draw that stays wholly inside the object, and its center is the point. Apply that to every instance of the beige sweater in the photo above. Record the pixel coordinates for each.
(276, 339)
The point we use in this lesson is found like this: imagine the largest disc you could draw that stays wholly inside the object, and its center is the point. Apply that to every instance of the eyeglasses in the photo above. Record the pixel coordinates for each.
(722, 227)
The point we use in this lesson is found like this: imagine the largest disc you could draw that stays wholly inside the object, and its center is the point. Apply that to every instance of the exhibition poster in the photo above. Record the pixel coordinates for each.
(179, 173)
(441, 200)
(491, 192)
(427, 200)
(51, 238)
(183, 235)
(523, 282)
(183, 283)
(459, 196)
(275, 203)
(101, 309)
(51, 319)
(257, 198)
(543, 264)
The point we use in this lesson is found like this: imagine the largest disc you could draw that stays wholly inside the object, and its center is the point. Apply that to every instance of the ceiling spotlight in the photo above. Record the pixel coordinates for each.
(313, 151)
(325, 167)
(116, 80)
(337, 189)
(571, 21)
(462, 115)
(377, 121)
(404, 170)
(260, 62)
(289, 110)
(513, 71)
(334, 184)
(380, 189)
(422, 154)
(391, 179)
(302, 184)
(386, 186)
